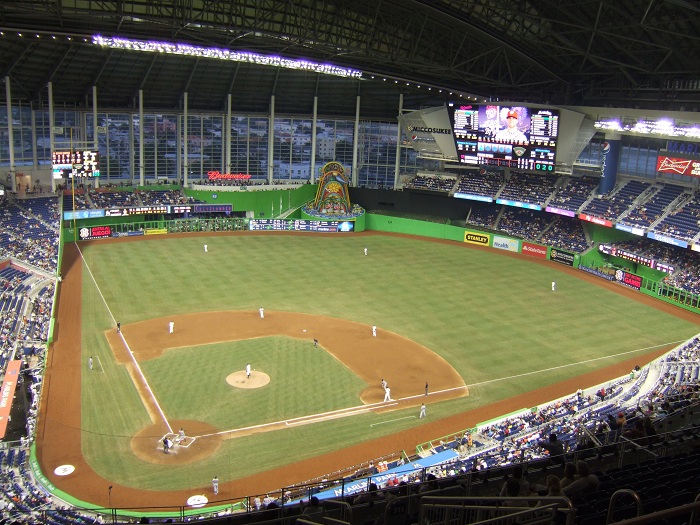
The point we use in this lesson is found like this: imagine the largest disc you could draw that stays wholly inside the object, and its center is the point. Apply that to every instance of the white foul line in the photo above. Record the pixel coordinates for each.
(573, 364)
(131, 354)
(392, 420)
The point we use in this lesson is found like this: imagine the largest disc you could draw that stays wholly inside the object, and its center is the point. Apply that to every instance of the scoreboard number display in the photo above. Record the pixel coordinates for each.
(300, 225)
(75, 163)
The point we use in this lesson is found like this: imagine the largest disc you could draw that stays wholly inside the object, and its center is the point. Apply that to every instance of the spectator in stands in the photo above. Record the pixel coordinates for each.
(569, 475)
(518, 476)
(373, 494)
(313, 511)
(555, 449)
(586, 483)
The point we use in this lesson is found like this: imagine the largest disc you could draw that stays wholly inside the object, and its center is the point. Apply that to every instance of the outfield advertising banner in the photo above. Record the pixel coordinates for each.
(9, 385)
(482, 239)
(504, 243)
(628, 279)
(534, 250)
(562, 257)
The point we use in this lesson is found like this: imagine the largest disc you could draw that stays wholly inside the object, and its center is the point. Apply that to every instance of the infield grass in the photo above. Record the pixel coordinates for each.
(489, 315)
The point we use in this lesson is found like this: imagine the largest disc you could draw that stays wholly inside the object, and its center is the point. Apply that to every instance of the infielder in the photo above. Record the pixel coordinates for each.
(215, 485)
(374, 330)
(171, 326)
(387, 394)
(247, 371)
(422, 411)
(262, 313)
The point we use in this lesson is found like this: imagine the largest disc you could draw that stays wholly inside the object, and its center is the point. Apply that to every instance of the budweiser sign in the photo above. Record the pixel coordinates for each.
(678, 166)
(216, 175)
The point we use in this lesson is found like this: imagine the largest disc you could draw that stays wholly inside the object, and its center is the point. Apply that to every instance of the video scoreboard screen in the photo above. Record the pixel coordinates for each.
(506, 136)
(137, 210)
(301, 225)
(75, 163)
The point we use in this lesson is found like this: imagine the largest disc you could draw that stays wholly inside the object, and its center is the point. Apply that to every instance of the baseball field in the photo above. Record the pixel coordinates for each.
(481, 327)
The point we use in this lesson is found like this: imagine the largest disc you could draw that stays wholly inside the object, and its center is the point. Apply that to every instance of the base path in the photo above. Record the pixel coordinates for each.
(58, 437)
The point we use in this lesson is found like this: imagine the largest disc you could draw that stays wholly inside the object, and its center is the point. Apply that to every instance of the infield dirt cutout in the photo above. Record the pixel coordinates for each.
(403, 363)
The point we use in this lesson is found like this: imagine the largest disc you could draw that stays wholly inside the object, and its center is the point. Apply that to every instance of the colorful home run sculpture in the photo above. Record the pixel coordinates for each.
(332, 196)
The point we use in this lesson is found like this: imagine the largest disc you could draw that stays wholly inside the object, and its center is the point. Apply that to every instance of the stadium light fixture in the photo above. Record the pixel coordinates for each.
(149, 46)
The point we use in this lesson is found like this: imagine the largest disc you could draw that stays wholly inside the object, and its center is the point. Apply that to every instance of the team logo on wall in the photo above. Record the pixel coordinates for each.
(670, 165)
(606, 148)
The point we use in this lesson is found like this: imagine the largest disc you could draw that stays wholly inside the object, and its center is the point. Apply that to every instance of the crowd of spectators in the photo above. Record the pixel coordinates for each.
(573, 192)
(431, 182)
(486, 184)
(523, 223)
(29, 236)
(566, 233)
(528, 187)
(161, 197)
(685, 272)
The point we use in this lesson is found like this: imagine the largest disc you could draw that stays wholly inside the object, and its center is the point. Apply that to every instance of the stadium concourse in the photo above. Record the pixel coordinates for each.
(90, 487)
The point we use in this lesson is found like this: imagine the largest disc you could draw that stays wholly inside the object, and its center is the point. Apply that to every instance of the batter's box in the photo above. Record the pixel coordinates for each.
(177, 441)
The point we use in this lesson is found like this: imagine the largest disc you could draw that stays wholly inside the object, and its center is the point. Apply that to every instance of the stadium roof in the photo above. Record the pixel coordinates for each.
(632, 53)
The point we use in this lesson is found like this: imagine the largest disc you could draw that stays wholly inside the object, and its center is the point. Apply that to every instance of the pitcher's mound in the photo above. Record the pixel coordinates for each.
(256, 379)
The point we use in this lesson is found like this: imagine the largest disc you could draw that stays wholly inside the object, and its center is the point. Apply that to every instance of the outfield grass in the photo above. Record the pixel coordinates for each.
(489, 315)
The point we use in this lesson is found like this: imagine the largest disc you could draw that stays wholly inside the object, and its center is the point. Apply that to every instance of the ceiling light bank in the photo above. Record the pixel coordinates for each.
(223, 54)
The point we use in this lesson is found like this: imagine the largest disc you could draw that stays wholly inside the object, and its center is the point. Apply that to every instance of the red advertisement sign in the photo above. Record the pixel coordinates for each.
(690, 167)
(534, 250)
(595, 220)
(215, 175)
(7, 393)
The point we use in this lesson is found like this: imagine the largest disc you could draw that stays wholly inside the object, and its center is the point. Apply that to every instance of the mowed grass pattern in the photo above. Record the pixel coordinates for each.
(491, 316)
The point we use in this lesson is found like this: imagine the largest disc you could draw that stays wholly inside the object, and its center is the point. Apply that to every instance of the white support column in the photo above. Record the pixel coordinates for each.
(142, 166)
(397, 167)
(10, 132)
(314, 118)
(132, 156)
(355, 143)
(227, 139)
(52, 122)
(35, 158)
(271, 142)
(95, 139)
(185, 143)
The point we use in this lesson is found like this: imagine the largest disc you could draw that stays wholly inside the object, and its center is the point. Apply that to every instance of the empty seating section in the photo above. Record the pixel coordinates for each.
(573, 193)
(611, 206)
(528, 188)
(648, 212)
(682, 223)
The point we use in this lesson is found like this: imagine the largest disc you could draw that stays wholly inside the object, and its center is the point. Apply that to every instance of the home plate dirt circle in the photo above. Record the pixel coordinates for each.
(256, 379)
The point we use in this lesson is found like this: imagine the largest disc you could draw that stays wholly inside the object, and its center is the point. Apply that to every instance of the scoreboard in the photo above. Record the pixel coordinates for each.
(75, 163)
(481, 139)
(301, 225)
